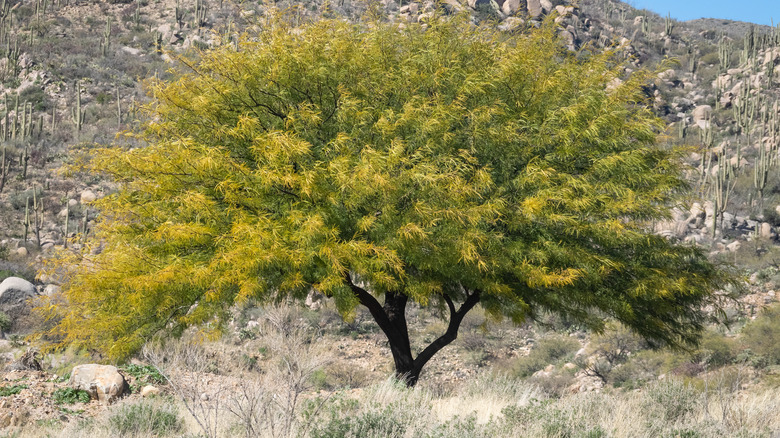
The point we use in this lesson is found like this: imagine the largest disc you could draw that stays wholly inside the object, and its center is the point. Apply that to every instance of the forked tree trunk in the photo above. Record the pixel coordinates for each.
(391, 318)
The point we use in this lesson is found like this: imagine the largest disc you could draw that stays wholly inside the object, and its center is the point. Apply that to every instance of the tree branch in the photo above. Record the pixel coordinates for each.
(456, 317)
(371, 303)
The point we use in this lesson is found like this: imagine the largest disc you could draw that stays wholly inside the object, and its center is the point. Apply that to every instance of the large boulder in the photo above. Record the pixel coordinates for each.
(510, 6)
(702, 115)
(103, 382)
(534, 8)
(15, 292)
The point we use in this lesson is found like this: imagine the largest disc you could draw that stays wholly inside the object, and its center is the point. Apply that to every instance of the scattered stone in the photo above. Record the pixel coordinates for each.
(149, 391)
(88, 196)
(734, 246)
(51, 290)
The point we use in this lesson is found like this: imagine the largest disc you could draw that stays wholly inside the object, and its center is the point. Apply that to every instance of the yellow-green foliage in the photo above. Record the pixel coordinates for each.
(425, 160)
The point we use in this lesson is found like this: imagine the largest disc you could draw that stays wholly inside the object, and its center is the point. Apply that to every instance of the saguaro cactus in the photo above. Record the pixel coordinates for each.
(5, 169)
(106, 42)
(77, 113)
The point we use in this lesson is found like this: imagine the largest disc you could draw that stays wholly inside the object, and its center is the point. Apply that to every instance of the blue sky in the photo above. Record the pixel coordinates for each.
(754, 11)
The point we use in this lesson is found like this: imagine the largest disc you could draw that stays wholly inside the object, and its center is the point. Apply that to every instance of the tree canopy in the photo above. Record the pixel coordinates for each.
(442, 163)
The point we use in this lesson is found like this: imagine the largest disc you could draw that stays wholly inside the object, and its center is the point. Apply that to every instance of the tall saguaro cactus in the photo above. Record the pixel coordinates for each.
(106, 42)
(668, 25)
(723, 182)
(5, 169)
(78, 113)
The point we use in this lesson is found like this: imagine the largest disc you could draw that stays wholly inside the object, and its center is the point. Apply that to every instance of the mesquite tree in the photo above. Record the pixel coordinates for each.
(443, 164)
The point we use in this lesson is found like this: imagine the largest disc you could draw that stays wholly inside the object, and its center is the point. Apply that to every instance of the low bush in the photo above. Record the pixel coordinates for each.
(145, 418)
(5, 322)
(69, 396)
(5, 391)
(715, 350)
(762, 335)
(146, 374)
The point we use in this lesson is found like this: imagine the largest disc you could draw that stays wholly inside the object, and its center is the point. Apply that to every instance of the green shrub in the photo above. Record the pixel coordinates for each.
(715, 350)
(670, 400)
(146, 374)
(762, 335)
(5, 322)
(547, 350)
(145, 418)
(5, 391)
(19, 199)
(69, 396)
(550, 419)
(388, 422)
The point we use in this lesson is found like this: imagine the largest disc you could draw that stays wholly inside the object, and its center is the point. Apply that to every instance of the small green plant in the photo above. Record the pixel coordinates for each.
(5, 322)
(146, 374)
(71, 411)
(5, 391)
(69, 396)
(145, 418)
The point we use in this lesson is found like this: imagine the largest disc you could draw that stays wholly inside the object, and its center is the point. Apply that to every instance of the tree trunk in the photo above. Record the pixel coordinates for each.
(391, 318)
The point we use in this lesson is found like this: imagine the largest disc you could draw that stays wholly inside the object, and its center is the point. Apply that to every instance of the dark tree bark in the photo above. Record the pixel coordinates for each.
(391, 318)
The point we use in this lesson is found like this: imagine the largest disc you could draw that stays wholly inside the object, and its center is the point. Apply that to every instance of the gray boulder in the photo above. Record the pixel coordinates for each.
(15, 293)
(103, 382)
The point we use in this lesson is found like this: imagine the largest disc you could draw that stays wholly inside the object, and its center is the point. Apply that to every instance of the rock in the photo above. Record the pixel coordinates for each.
(727, 220)
(511, 23)
(22, 252)
(453, 5)
(149, 391)
(510, 7)
(734, 246)
(694, 238)
(547, 6)
(534, 8)
(668, 75)
(697, 215)
(88, 196)
(102, 382)
(14, 294)
(765, 231)
(314, 300)
(51, 290)
(131, 50)
(701, 113)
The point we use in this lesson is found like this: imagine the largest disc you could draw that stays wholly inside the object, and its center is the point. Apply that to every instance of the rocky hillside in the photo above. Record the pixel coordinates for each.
(72, 75)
